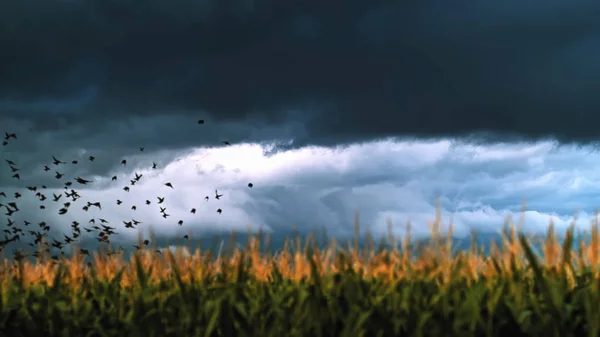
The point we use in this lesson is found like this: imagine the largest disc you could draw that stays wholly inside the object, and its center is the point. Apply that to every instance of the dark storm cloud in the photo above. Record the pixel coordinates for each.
(351, 70)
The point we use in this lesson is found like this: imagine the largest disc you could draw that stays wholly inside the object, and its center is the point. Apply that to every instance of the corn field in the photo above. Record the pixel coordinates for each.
(304, 290)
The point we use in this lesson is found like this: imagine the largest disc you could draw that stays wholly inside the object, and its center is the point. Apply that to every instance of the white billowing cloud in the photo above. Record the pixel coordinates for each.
(312, 187)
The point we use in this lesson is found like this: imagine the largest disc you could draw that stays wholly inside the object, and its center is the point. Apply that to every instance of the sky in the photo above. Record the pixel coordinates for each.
(332, 107)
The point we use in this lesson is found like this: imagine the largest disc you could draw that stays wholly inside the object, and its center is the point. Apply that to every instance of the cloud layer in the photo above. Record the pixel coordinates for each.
(342, 71)
(316, 187)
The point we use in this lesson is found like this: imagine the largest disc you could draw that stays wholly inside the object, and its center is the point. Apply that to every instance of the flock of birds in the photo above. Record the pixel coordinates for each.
(99, 227)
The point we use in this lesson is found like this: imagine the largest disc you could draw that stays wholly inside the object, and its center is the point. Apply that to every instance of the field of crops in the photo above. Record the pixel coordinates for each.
(306, 291)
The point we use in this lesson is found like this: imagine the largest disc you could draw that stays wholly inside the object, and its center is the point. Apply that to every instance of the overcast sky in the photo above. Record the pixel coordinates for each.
(331, 107)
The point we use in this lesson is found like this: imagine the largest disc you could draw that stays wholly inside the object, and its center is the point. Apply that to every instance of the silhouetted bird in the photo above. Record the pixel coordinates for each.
(219, 211)
(250, 185)
(95, 204)
(201, 121)
(217, 195)
(56, 161)
(82, 181)
(169, 185)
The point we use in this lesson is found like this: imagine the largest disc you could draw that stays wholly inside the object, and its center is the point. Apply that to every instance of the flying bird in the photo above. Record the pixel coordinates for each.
(82, 181)
(56, 161)
(217, 195)
(169, 185)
